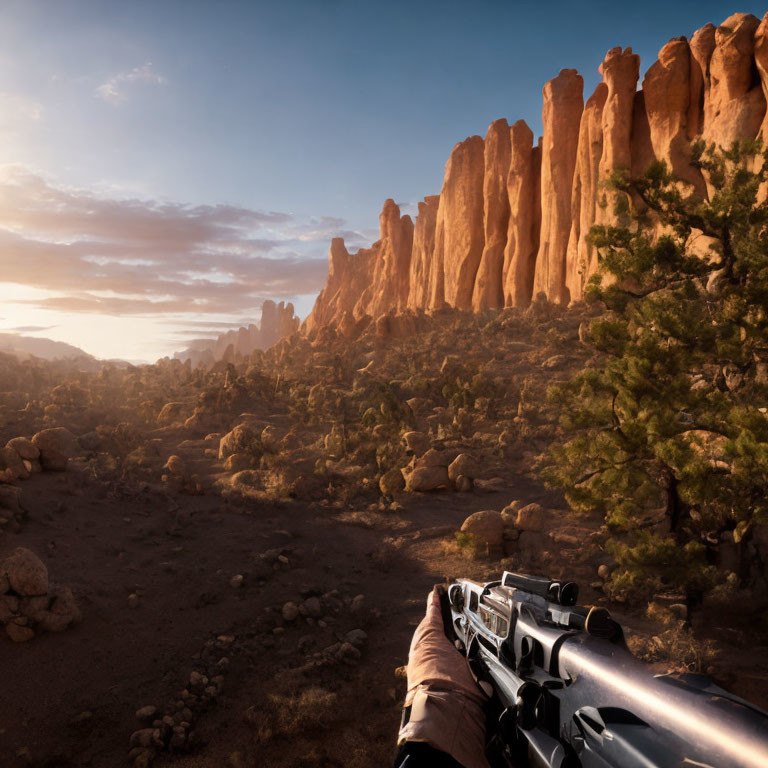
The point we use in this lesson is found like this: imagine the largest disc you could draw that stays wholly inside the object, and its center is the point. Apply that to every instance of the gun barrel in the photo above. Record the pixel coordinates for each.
(704, 724)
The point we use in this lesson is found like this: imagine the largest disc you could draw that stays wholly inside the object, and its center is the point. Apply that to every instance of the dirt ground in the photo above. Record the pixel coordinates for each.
(69, 699)
(153, 567)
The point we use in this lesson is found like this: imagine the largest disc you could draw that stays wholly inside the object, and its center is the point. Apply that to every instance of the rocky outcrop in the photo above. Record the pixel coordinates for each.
(735, 106)
(513, 218)
(423, 252)
(459, 236)
(277, 322)
(668, 90)
(391, 264)
(524, 194)
(563, 104)
(488, 289)
(584, 198)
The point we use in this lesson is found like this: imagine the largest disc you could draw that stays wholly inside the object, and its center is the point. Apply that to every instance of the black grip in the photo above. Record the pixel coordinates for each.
(445, 612)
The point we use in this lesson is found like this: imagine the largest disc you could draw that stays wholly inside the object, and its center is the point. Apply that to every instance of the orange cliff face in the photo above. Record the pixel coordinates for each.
(512, 218)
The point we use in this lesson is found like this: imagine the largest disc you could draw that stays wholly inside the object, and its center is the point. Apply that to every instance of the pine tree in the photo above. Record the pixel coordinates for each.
(667, 436)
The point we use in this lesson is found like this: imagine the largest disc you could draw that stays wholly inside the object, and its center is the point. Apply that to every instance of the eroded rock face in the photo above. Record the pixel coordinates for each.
(668, 90)
(580, 259)
(488, 290)
(524, 195)
(702, 46)
(392, 263)
(459, 236)
(423, 252)
(735, 106)
(513, 217)
(561, 115)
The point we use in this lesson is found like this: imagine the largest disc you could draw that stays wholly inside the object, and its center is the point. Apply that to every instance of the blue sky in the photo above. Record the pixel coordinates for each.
(314, 112)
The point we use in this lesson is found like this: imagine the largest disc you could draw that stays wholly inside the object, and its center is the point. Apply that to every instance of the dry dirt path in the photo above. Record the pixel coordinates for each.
(69, 699)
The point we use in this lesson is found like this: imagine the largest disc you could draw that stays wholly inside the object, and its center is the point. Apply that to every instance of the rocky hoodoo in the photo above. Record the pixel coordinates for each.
(277, 322)
(512, 218)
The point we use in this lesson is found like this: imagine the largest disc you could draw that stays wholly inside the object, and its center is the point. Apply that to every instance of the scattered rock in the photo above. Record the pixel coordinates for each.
(391, 482)
(25, 448)
(133, 600)
(26, 573)
(19, 633)
(176, 466)
(56, 445)
(356, 637)
(416, 443)
(12, 464)
(463, 464)
(146, 713)
(428, 478)
(313, 607)
(487, 529)
(237, 462)
(236, 581)
(242, 439)
(290, 611)
(531, 517)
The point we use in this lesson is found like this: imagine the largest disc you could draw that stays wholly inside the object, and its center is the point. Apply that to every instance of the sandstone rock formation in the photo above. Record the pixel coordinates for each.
(488, 289)
(524, 194)
(277, 321)
(513, 218)
(563, 104)
(459, 235)
(423, 251)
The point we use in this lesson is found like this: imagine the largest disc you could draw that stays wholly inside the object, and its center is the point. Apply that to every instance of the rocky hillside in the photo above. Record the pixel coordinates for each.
(25, 347)
(512, 217)
(277, 321)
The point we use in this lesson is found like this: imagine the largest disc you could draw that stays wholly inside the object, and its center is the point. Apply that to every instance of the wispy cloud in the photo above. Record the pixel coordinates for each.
(96, 254)
(115, 90)
(31, 328)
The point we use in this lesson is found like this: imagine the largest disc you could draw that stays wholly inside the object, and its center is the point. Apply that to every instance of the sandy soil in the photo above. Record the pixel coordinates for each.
(69, 699)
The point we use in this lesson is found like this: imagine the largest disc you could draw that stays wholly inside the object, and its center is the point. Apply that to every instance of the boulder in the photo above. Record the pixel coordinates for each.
(172, 413)
(90, 441)
(427, 478)
(19, 633)
(269, 438)
(242, 439)
(25, 448)
(56, 445)
(247, 478)
(26, 573)
(391, 482)
(175, 465)
(463, 464)
(487, 530)
(532, 517)
(464, 484)
(237, 462)
(433, 458)
(12, 464)
(416, 443)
